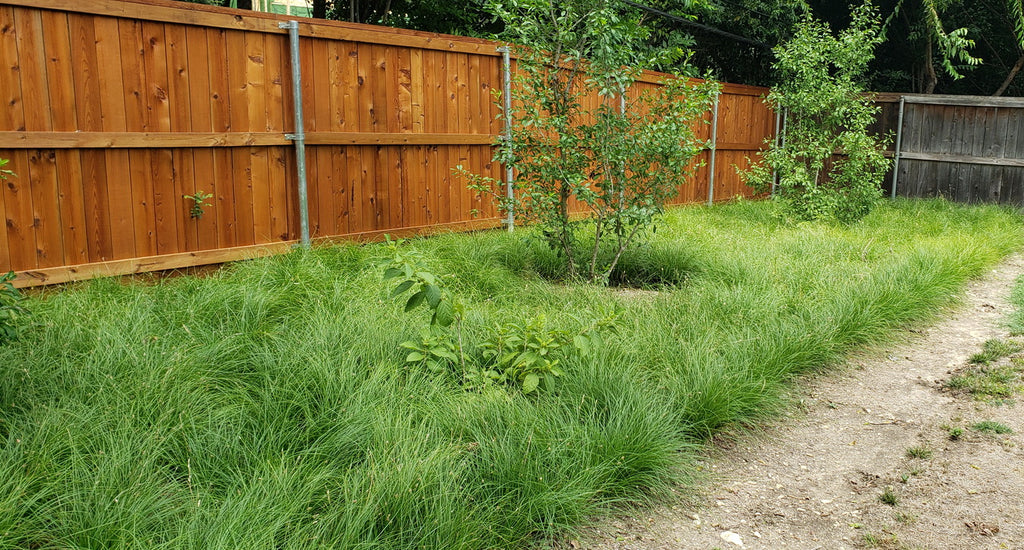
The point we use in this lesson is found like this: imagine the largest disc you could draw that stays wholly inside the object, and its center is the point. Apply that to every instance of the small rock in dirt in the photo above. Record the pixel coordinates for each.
(732, 538)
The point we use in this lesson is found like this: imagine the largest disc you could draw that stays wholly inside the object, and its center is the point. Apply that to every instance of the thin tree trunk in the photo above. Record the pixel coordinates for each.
(930, 78)
(1009, 78)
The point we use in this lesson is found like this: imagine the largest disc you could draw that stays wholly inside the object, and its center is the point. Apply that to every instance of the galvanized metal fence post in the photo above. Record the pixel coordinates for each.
(899, 143)
(714, 148)
(299, 137)
(506, 66)
(775, 144)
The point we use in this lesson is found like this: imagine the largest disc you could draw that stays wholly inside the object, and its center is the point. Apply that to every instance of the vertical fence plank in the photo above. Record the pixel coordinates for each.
(165, 199)
(112, 182)
(279, 109)
(18, 208)
(202, 232)
(179, 88)
(46, 219)
(416, 90)
(219, 98)
(256, 100)
(28, 32)
(241, 161)
(12, 116)
(69, 193)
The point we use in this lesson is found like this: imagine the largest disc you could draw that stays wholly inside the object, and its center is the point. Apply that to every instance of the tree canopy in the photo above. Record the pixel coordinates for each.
(941, 46)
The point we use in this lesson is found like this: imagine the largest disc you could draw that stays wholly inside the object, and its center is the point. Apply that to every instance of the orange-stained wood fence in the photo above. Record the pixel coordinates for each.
(114, 110)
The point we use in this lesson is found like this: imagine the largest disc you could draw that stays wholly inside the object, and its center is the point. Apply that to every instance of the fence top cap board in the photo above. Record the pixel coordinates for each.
(962, 100)
(186, 13)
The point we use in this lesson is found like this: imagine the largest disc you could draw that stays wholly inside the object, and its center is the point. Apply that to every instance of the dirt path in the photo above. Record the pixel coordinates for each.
(814, 480)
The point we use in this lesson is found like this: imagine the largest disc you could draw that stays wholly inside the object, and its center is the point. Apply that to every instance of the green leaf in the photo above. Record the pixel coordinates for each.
(530, 383)
(582, 343)
(427, 277)
(442, 352)
(392, 272)
(444, 315)
(415, 300)
(415, 357)
(406, 285)
(433, 295)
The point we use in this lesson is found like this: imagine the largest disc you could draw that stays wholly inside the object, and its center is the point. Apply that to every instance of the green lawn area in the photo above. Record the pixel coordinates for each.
(269, 405)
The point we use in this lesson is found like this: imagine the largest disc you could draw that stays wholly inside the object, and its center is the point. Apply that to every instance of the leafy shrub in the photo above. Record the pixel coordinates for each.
(821, 89)
(619, 160)
(525, 355)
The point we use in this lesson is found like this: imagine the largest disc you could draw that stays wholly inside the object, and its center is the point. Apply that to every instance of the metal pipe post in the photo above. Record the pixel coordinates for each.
(899, 143)
(775, 143)
(714, 148)
(506, 63)
(299, 137)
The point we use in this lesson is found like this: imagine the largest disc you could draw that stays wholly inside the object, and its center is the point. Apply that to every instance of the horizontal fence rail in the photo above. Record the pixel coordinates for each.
(116, 110)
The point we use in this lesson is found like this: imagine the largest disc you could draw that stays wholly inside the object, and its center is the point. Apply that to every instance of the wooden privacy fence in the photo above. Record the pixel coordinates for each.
(965, 148)
(115, 110)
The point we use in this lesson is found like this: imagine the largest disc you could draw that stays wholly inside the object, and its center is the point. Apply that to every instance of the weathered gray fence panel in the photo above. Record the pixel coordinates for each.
(965, 148)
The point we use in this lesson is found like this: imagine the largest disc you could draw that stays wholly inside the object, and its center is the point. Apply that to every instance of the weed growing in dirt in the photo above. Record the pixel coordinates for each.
(994, 350)
(889, 497)
(955, 433)
(991, 426)
(887, 541)
(270, 404)
(920, 452)
(905, 518)
(987, 383)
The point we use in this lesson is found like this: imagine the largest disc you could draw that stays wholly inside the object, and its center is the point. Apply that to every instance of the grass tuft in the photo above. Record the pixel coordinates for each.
(991, 426)
(920, 452)
(994, 350)
(889, 497)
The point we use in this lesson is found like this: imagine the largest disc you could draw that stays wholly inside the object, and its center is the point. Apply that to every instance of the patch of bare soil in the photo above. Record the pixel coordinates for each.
(881, 455)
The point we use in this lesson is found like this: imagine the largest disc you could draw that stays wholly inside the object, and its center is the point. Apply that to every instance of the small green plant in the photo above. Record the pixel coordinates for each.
(955, 433)
(4, 172)
(11, 309)
(199, 203)
(530, 354)
(889, 497)
(991, 426)
(920, 452)
(525, 355)
(994, 350)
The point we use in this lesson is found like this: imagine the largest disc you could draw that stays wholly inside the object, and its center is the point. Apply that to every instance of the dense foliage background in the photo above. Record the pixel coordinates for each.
(734, 38)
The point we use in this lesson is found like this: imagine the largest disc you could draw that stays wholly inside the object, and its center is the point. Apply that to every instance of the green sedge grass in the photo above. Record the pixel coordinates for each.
(268, 405)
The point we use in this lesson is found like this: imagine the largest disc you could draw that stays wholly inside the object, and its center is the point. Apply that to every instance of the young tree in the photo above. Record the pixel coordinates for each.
(820, 87)
(618, 157)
